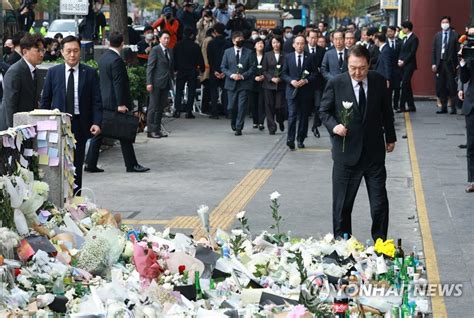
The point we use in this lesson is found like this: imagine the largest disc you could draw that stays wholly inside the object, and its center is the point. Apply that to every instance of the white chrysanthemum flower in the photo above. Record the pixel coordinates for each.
(238, 232)
(278, 66)
(274, 196)
(240, 215)
(40, 289)
(240, 65)
(259, 66)
(347, 105)
(306, 72)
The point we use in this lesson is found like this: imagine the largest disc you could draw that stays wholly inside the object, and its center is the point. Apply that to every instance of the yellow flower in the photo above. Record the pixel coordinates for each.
(385, 247)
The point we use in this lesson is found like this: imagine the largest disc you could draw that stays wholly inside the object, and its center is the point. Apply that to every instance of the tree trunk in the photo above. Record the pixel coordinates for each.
(118, 18)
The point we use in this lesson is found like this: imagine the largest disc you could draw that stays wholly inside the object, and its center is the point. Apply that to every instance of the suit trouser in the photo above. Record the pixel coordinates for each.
(127, 151)
(298, 110)
(274, 107)
(446, 84)
(407, 91)
(79, 152)
(182, 78)
(395, 85)
(158, 101)
(205, 96)
(237, 107)
(215, 84)
(317, 103)
(345, 184)
(257, 105)
(470, 146)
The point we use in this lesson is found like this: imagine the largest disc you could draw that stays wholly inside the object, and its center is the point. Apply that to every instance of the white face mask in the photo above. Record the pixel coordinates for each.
(288, 35)
(254, 36)
(263, 36)
(444, 26)
(149, 36)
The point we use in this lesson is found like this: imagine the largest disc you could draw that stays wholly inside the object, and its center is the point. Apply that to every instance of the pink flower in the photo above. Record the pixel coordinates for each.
(297, 312)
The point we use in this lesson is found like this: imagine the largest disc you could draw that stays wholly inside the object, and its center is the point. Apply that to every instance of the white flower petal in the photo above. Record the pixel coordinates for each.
(275, 195)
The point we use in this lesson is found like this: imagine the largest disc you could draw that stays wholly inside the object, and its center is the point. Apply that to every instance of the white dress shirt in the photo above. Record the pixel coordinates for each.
(382, 46)
(31, 67)
(115, 50)
(310, 49)
(277, 56)
(342, 51)
(76, 86)
(356, 87)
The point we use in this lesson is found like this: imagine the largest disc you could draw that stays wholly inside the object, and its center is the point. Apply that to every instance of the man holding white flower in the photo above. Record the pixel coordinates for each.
(357, 113)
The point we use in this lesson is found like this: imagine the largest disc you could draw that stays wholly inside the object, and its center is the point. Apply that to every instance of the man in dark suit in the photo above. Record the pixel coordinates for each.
(317, 55)
(395, 44)
(288, 45)
(19, 82)
(444, 60)
(373, 49)
(299, 74)
(359, 146)
(188, 63)
(386, 61)
(238, 65)
(74, 88)
(335, 60)
(115, 93)
(159, 78)
(467, 75)
(15, 55)
(407, 63)
(215, 53)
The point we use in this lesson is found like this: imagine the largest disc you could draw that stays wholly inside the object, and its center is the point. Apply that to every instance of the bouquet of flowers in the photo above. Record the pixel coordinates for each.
(303, 76)
(278, 71)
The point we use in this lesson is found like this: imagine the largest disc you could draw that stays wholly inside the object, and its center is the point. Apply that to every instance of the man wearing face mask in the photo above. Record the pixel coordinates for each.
(238, 21)
(444, 61)
(144, 46)
(238, 65)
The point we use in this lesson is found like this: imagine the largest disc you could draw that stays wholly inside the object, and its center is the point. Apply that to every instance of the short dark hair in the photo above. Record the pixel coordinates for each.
(313, 31)
(279, 39)
(58, 35)
(371, 31)
(408, 25)
(297, 29)
(325, 24)
(68, 39)
(381, 37)
(447, 17)
(17, 38)
(359, 51)
(48, 41)
(237, 34)
(115, 39)
(259, 39)
(29, 41)
(393, 28)
(287, 28)
(160, 34)
(148, 28)
(219, 28)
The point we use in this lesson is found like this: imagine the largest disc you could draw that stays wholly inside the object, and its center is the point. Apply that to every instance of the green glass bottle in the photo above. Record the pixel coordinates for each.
(399, 253)
(405, 310)
(197, 285)
(410, 261)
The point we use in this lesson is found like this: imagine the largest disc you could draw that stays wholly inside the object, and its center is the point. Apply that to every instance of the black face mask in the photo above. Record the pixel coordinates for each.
(239, 43)
(7, 50)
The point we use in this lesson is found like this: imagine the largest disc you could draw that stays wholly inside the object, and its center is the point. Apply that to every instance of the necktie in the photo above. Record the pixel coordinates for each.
(299, 62)
(445, 42)
(70, 93)
(392, 44)
(237, 57)
(340, 60)
(166, 54)
(362, 100)
(312, 50)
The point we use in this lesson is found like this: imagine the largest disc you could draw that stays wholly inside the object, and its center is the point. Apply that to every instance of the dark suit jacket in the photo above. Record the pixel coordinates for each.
(269, 64)
(188, 56)
(467, 75)
(452, 48)
(330, 64)
(317, 63)
(290, 72)
(229, 67)
(398, 46)
(367, 132)
(114, 82)
(386, 63)
(288, 46)
(90, 102)
(13, 58)
(19, 93)
(215, 53)
(159, 71)
(374, 54)
(408, 52)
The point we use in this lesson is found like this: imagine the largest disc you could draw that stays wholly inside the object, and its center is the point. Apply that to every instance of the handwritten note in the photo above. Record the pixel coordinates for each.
(53, 162)
(42, 135)
(28, 152)
(43, 151)
(43, 160)
(23, 162)
(47, 125)
(6, 142)
(42, 143)
(53, 137)
(53, 153)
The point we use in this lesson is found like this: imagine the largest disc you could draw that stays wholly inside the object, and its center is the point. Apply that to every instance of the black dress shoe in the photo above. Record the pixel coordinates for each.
(282, 126)
(233, 127)
(190, 116)
(442, 111)
(453, 111)
(300, 145)
(93, 169)
(214, 117)
(398, 111)
(255, 126)
(261, 127)
(412, 109)
(271, 132)
(163, 135)
(463, 146)
(153, 135)
(316, 132)
(138, 168)
(238, 132)
(291, 145)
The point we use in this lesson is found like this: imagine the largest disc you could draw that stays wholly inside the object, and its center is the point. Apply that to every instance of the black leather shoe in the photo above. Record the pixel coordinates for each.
(316, 132)
(190, 116)
(282, 126)
(153, 135)
(238, 132)
(412, 110)
(271, 132)
(255, 126)
(453, 111)
(261, 127)
(291, 145)
(463, 146)
(163, 135)
(300, 145)
(138, 168)
(93, 169)
(442, 111)
(214, 117)
(233, 127)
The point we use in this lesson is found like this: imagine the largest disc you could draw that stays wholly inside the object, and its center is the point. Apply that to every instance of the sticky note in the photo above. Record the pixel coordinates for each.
(28, 152)
(53, 162)
(43, 151)
(18, 141)
(53, 152)
(25, 133)
(53, 137)
(42, 135)
(42, 143)
(47, 125)
(32, 131)
(43, 159)
(6, 142)
(23, 162)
